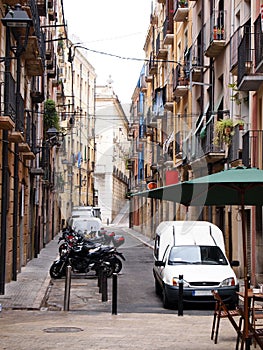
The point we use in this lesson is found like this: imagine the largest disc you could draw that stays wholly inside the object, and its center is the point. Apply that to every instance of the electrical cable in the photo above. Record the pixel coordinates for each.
(123, 57)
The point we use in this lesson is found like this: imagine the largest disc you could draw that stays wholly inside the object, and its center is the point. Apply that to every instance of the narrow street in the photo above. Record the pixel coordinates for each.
(136, 292)
(140, 323)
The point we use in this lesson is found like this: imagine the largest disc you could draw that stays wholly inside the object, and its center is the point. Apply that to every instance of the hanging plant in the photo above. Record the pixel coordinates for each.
(51, 118)
(224, 131)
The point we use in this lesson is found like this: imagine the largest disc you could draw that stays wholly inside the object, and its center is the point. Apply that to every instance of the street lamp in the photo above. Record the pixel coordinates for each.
(14, 19)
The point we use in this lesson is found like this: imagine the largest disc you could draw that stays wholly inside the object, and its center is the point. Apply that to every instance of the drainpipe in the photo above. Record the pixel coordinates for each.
(16, 179)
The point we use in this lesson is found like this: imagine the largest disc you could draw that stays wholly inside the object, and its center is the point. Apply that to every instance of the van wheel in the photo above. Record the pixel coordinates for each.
(158, 288)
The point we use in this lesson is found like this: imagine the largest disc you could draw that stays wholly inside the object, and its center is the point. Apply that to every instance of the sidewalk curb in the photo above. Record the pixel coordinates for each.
(140, 239)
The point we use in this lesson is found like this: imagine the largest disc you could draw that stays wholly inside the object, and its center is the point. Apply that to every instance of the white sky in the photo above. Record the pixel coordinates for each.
(117, 27)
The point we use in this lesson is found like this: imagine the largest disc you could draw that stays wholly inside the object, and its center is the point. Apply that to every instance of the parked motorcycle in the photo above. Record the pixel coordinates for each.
(108, 238)
(84, 256)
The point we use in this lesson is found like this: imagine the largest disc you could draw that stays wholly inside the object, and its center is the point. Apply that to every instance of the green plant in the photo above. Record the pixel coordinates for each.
(235, 93)
(51, 118)
(240, 123)
(224, 131)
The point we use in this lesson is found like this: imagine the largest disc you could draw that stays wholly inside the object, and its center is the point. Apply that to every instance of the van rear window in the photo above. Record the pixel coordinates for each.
(208, 255)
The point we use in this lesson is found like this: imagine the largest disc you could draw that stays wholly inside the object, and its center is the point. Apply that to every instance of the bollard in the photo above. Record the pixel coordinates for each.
(99, 278)
(114, 293)
(180, 296)
(104, 286)
(67, 288)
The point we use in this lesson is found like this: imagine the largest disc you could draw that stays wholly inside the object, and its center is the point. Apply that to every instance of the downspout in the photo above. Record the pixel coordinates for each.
(5, 169)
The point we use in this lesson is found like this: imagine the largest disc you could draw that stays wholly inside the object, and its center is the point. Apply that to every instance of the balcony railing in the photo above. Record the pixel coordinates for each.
(198, 146)
(161, 52)
(7, 84)
(42, 7)
(258, 46)
(180, 81)
(168, 31)
(235, 151)
(248, 79)
(234, 43)
(152, 64)
(252, 154)
(195, 62)
(20, 114)
(35, 59)
(215, 34)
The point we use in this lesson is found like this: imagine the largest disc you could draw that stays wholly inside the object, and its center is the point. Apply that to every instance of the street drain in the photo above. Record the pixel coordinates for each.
(63, 330)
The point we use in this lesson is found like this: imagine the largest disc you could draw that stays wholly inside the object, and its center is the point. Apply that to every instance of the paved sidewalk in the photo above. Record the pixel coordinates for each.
(32, 282)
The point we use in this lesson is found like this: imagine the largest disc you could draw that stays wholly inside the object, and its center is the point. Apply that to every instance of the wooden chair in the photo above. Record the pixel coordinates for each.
(221, 311)
(257, 319)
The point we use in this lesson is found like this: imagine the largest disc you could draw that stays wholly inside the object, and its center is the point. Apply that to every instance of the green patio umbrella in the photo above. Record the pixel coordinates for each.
(236, 186)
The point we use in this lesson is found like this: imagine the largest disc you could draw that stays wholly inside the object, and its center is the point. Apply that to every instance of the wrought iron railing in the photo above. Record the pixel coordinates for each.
(7, 85)
(252, 155)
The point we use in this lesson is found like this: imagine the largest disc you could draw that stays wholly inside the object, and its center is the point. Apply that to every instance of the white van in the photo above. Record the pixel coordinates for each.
(195, 251)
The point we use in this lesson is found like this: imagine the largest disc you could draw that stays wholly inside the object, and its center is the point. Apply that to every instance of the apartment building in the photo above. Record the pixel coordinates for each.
(202, 72)
(76, 104)
(111, 174)
(27, 71)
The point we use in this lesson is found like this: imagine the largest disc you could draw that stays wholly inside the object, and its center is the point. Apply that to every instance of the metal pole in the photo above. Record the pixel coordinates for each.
(67, 288)
(104, 286)
(5, 168)
(114, 293)
(180, 296)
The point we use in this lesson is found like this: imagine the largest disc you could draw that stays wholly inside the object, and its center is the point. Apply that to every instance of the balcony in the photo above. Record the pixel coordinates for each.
(148, 76)
(161, 52)
(195, 62)
(181, 10)
(158, 103)
(28, 156)
(235, 151)
(168, 98)
(252, 154)
(42, 7)
(153, 66)
(234, 43)
(52, 68)
(258, 40)
(201, 145)
(248, 78)
(34, 53)
(215, 35)
(7, 109)
(168, 31)
(180, 82)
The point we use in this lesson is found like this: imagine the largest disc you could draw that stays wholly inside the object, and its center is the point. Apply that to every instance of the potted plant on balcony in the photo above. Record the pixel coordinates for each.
(183, 3)
(240, 124)
(51, 118)
(224, 131)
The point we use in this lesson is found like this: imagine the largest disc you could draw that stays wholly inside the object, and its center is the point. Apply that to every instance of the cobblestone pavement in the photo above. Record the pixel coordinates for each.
(32, 318)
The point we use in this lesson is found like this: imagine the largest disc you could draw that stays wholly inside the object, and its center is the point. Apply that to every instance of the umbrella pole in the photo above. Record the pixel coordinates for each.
(246, 306)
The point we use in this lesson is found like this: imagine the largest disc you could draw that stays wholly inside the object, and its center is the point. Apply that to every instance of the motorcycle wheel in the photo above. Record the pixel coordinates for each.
(117, 264)
(56, 270)
(109, 270)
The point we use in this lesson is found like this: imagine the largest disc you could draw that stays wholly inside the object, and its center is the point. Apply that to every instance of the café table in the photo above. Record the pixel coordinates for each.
(257, 334)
